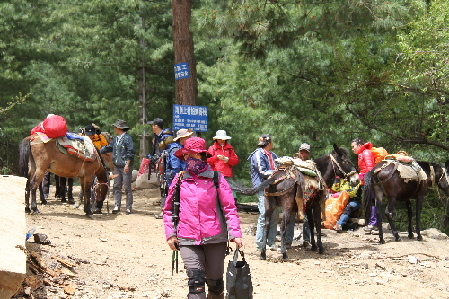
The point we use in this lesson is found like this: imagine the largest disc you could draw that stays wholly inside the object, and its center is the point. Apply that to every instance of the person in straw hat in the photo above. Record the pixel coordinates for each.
(223, 156)
(200, 234)
(122, 148)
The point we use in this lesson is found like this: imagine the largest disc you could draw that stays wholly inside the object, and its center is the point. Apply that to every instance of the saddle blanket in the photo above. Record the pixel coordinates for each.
(306, 167)
(82, 148)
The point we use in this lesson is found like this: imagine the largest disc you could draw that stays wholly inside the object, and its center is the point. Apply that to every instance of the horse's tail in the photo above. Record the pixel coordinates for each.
(368, 194)
(25, 149)
(252, 191)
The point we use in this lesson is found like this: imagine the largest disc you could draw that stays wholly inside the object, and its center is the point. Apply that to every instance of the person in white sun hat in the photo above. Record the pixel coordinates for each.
(223, 156)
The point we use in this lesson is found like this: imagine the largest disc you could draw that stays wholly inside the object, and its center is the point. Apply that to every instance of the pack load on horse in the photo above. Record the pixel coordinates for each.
(285, 188)
(398, 177)
(68, 156)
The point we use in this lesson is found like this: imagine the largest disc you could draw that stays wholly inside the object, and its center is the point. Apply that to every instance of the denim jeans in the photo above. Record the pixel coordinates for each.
(272, 229)
(351, 207)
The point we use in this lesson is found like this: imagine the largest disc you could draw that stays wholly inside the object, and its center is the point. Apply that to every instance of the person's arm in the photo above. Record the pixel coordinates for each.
(233, 159)
(261, 166)
(230, 210)
(129, 154)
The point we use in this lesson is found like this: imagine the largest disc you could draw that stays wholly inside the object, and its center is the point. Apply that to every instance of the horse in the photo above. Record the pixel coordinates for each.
(384, 180)
(37, 157)
(286, 185)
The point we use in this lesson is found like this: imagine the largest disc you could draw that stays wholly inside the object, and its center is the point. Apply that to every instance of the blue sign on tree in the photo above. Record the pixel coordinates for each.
(182, 70)
(190, 117)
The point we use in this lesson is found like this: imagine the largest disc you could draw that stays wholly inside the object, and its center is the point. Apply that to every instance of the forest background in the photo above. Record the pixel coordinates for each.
(313, 71)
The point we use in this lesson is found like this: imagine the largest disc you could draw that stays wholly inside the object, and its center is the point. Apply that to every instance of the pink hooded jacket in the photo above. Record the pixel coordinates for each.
(200, 218)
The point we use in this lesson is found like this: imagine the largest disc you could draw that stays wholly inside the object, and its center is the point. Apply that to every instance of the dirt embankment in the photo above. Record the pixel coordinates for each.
(125, 256)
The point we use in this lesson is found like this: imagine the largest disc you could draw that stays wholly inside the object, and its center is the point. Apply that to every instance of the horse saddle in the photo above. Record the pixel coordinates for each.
(82, 148)
(408, 171)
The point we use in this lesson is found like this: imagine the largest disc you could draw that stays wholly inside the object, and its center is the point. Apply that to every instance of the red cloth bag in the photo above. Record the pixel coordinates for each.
(55, 126)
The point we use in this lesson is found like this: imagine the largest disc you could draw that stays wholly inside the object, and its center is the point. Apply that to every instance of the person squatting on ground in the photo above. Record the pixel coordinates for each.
(173, 165)
(262, 166)
(201, 235)
(353, 203)
(122, 148)
(365, 160)
(223, 156)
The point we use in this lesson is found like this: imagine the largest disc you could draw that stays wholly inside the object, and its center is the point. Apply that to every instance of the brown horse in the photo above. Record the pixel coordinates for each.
(384, 180)
(37, 157)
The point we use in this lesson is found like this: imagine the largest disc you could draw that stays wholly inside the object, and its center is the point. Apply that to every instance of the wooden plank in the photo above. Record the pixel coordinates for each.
(12, 232)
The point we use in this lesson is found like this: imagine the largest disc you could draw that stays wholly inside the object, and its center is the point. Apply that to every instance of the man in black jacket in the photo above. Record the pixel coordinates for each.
(122, 148)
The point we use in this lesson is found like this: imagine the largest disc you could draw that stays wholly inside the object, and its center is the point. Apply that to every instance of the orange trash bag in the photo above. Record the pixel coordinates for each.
(334, 207)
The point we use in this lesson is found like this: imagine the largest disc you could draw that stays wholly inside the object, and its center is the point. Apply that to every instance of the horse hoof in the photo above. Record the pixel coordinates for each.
(411, 236)
(419, 238)
(71, 201)
(314, 248)
(63, 200)
(263, 256)
(44, 202)
(382, 241)
(284, 256)
(321, 251)
(28, 210)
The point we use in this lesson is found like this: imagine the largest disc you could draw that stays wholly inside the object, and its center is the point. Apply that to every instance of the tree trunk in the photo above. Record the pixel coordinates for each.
(187, 88)
(141, 73)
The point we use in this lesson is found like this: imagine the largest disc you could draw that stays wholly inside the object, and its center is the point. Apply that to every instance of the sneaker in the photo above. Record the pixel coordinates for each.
(272, 247)
(368, 229)
(128, 211)
(338, 228)
(115, 210)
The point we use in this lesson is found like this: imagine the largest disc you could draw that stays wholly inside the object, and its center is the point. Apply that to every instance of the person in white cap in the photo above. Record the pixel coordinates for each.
(223, 156)
(304, 154)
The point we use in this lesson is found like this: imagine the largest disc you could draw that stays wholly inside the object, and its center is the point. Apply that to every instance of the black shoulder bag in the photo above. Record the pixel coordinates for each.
(238, 278)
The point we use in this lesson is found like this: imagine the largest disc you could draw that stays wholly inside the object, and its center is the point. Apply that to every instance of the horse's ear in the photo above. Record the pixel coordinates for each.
(337, 150)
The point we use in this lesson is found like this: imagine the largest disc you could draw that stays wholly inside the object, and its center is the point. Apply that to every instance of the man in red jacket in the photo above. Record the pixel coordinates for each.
(223, 156)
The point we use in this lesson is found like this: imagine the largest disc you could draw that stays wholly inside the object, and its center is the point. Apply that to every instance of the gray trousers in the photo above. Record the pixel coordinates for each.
(209, 258)
(124, 179)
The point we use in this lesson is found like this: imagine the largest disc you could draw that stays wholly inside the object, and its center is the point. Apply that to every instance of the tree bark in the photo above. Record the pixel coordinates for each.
(187, 88)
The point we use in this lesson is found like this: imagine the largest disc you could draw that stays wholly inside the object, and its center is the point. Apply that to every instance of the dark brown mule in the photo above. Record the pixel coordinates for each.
(286, 184)
(385, 181)
(37, 157)
(337, 163)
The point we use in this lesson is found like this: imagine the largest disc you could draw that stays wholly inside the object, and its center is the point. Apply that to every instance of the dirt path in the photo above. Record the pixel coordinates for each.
(128, 258)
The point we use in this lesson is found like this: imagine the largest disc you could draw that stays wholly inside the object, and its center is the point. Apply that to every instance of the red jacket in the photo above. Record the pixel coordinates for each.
(365, 159)
(219, 165)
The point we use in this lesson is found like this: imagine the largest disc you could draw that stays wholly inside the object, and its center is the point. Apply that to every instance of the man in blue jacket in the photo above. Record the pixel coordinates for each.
(122, 148)
(262, 166)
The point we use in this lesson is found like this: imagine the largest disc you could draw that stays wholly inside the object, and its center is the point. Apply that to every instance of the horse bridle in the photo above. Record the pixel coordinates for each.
(335, 162)
(95, 186)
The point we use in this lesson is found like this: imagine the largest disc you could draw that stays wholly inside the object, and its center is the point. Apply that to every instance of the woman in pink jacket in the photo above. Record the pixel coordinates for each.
(201, 233)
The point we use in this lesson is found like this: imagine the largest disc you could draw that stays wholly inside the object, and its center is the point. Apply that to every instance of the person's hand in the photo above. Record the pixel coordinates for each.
(238, 242)
(173, 243)
(220, 157)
